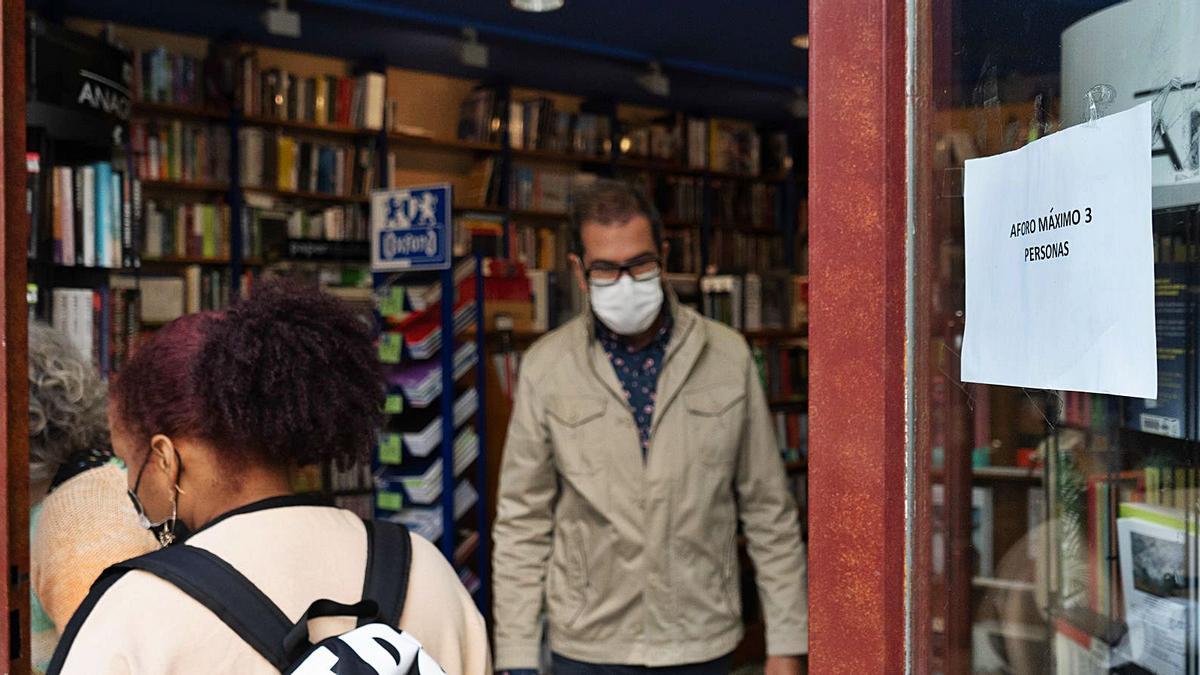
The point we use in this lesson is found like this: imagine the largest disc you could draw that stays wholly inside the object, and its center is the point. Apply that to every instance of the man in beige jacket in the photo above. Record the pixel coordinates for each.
(640, 437)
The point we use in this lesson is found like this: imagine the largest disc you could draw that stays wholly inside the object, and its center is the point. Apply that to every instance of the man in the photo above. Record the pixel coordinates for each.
(640, 435)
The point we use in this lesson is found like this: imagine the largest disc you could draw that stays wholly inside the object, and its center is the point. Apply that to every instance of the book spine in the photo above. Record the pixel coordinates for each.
(89, 215)
(113, 247)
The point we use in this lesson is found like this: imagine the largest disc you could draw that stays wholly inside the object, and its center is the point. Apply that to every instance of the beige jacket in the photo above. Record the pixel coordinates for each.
(637, 562)
(294, 554)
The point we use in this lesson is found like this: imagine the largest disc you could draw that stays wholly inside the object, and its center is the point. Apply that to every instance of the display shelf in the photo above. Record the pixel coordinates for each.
(184, 186)
(308, 196)
(148, 109)
(336, 130)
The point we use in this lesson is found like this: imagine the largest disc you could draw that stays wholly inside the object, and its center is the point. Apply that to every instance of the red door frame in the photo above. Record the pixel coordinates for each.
(857, 214)
(14, 400)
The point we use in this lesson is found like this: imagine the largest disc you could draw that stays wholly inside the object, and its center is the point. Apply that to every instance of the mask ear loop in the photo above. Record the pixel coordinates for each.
(166, 536)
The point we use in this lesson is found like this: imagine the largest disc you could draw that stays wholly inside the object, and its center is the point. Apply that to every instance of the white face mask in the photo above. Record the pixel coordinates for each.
(628, 307)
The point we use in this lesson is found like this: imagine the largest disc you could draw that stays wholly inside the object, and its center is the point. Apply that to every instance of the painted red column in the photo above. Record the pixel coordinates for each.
(14, 369)
(857, 179)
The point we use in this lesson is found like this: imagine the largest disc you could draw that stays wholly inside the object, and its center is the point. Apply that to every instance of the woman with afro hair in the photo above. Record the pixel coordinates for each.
(209, 416)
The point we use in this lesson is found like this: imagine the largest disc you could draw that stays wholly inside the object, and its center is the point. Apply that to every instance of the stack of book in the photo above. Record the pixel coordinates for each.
(160, 76)
(479, 117)
(281, 162)
(278, 94)
(427, 521)
(734, 147)
(421, 381)
(771, 301)
(538, 247)
(103, 323)
(422, 329)
(534, 124)
(419, 443)
(738, 250)
(679, 199)
(186, 230)
(181, 151)
(423, 485)
(662, 141)
(93, 207)
(743, 203)
(540, 189)
(784, 370)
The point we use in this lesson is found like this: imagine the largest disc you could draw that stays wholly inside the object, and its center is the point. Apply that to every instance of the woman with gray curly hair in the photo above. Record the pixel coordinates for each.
(81, 520)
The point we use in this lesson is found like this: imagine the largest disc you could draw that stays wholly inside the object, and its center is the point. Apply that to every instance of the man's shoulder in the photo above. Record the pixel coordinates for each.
(549, 351)
(722, 339)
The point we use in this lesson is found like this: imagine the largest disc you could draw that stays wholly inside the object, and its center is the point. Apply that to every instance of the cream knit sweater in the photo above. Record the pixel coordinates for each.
(85, 525)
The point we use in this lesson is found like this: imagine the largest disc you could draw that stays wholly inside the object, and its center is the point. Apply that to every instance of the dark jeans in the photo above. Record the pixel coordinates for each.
(565, 666)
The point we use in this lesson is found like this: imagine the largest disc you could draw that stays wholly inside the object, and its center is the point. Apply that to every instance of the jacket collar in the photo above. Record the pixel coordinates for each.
(688, 337)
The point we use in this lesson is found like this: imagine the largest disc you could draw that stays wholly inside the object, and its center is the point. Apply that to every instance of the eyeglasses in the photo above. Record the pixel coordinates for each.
(641, 268)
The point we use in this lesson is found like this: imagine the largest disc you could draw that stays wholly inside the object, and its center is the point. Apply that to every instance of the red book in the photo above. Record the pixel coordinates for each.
(344, 94)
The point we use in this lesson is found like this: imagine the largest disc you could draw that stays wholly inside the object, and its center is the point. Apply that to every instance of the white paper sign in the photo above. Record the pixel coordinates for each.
(1060, 262)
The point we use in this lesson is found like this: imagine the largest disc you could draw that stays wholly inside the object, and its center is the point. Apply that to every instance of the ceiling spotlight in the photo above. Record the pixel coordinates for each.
(800, 41)
(654, 81)
(281, 21)
(472, 52)
(537, 5)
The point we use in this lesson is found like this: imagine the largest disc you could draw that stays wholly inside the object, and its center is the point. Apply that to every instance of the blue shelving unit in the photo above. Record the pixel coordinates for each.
(402, 476)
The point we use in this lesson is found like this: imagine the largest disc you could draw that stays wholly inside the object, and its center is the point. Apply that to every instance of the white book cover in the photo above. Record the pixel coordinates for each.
(376, 82)
(89, 216)
(1156, 583)
(66, 188)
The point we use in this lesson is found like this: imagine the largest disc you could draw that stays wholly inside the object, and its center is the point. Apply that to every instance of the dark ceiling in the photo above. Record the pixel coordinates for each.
(725, 58)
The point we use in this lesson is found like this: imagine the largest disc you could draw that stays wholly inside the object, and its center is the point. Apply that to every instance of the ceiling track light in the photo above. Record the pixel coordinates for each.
(537, 5)
(654, 81)
(800, 41)
(472, 52)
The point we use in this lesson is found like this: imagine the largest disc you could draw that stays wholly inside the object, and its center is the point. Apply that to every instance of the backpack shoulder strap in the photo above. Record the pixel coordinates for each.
(228, 594)
(389, 560)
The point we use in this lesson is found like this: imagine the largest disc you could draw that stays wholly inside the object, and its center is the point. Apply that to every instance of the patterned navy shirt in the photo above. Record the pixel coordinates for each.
(637, 371)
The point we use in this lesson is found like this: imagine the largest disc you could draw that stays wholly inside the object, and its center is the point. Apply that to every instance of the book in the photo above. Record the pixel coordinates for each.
(89, 215)
(1158, 583)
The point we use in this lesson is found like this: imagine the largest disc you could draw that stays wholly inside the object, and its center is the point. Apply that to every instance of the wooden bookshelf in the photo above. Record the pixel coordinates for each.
(449, 144)
(658, 165)
(147, 109)
(557, 156)
(309, 196)
(516, 214)
(777, 334)
(787, 401)
(184, 186)
(186, 260)
(335, 130)
(984, 475)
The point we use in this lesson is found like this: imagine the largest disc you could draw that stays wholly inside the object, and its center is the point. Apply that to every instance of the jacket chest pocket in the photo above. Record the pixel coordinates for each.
(715, 420)
(577, 430)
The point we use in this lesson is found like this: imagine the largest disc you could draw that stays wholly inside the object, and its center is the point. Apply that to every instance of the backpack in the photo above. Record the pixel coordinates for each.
(374, 647)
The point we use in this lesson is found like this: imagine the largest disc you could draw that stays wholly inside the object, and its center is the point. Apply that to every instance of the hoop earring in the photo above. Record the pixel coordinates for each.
(166, 536)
